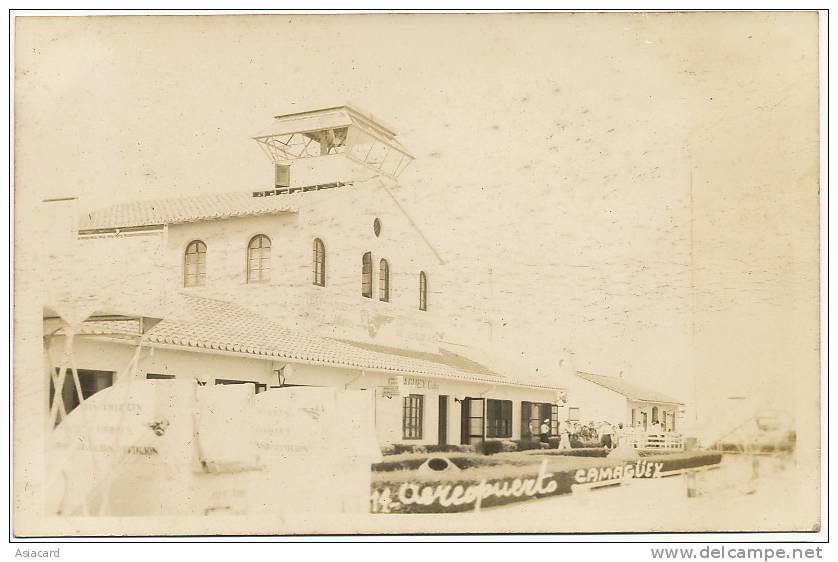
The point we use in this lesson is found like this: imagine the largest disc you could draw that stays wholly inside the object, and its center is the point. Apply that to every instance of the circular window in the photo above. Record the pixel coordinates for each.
(376, 227)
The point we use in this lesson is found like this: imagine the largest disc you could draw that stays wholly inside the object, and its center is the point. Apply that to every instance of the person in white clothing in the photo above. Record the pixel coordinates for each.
(564, 435)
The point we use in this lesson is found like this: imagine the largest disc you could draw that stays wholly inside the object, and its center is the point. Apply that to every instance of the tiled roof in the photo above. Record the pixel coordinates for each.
(208, 324)
(629, 390)
(443, 356)
(128, 327)
(182, 210)
(527, 371)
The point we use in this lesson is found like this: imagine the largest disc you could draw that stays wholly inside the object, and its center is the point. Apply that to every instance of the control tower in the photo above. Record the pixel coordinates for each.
(330, 148)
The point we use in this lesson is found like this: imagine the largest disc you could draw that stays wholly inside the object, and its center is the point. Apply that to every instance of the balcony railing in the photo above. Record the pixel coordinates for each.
(645, 440)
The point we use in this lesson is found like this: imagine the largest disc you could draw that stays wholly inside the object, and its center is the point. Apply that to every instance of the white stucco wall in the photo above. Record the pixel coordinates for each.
(596, 403)
(640, 407)
(343, 219)
(98, 354)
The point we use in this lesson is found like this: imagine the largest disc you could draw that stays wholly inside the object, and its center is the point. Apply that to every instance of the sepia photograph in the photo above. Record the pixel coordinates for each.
(399, 274)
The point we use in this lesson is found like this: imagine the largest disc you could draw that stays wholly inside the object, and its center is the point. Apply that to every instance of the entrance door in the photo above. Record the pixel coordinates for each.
(443, 420)
(472, 421)
(464, 415)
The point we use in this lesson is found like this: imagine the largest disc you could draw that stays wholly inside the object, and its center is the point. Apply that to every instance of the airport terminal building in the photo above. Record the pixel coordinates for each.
(324, 279)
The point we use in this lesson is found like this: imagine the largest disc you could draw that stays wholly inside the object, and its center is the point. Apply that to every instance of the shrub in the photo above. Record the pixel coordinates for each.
(406, 448)
(491, 447)
(388, 449)
(449, 448)
(527, 445)
(401, 448)
(554, 442)
(509, 446)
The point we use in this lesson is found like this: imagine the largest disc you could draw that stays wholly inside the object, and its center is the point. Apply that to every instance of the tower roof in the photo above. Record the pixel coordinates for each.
(335, 130)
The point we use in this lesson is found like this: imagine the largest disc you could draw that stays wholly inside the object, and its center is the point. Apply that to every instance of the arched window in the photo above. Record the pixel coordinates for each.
(384, 281)
(319, 263)
(259, 259)
(195, 264)
(423, 291)
(366, 275)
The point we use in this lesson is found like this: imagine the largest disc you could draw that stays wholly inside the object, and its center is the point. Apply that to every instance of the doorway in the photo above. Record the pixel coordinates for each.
(472, 421)
(443, 420)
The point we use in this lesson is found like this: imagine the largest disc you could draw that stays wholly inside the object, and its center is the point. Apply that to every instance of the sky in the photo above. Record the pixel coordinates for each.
(636, 191)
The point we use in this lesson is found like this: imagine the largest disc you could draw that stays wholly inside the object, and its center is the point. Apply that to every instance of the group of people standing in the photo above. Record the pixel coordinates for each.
(605, 433)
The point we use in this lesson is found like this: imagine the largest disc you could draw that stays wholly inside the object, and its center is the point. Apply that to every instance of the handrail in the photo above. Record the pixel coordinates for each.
(649, 440)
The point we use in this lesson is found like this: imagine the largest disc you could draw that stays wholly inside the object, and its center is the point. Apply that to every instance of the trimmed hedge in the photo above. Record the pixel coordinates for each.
(403, 448)
(492, 447)
(597, 452)
(692, 459)
(461, 460)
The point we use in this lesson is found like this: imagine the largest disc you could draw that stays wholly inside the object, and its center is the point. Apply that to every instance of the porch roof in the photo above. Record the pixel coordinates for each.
(203, 324)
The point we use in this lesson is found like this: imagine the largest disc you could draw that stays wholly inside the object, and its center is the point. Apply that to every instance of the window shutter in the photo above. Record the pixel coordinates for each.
(526, 408)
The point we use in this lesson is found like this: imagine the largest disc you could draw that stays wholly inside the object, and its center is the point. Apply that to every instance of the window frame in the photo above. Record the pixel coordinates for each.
(264, 273)
(319, 263)
(200, 274)
(91, 382)
(413, 417)
(526, 417)
(384, 280)
(423, 291)
(535, 412)
(366, 275)
(554, 420)
(258, 387)
(498, 418)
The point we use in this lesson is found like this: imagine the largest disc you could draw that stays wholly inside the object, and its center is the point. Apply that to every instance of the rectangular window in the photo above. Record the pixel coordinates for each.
(257, 387)
(533, 415)
(526, 431)
(282, 176)
(90, 381)
(499, 418)
(158, 376)
(412, 414)
(542, 415)
(554, 420)
(573, 414)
